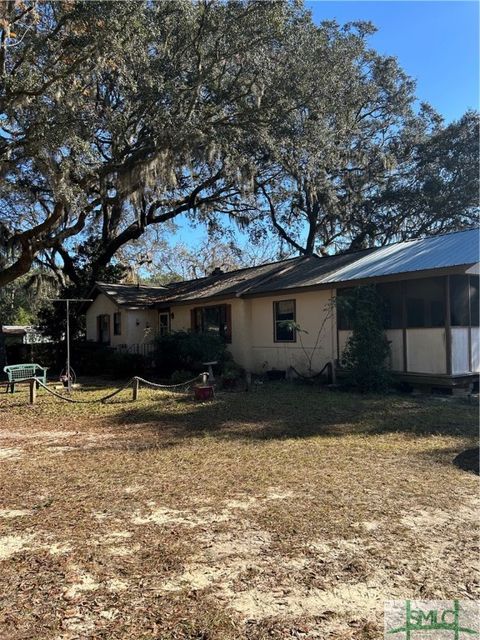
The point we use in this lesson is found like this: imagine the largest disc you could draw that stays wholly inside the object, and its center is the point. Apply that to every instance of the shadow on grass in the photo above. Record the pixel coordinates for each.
(284, 411)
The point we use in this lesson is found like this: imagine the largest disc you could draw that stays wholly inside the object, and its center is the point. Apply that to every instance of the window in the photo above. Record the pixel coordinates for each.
(459, 316)
(425, 301)
(284, 321)
(214, 319)
(103, 329)
(163, 323)
(344, 320)
(117, 324)
(391, 295)
(474, 301)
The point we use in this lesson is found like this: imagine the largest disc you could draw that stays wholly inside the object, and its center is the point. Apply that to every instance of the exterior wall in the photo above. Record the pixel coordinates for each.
(426, 351)
(102, 305)
(395, 337)
(313, 309)
(253, 345)
(476, 349)
(132, 333)
(141, 325)
(460, 359)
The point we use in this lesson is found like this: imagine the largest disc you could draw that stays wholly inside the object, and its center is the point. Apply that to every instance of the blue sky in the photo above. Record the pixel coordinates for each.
(436, 42)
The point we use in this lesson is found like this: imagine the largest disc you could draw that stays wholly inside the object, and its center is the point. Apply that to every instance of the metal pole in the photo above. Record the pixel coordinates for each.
(69, 382)
(67, 336)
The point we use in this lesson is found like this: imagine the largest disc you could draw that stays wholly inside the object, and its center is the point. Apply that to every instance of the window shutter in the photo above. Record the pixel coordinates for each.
(99, 328)
(228, 323)
(192, 320)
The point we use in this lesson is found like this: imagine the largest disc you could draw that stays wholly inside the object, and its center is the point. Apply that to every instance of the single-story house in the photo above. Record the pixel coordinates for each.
(430, 287)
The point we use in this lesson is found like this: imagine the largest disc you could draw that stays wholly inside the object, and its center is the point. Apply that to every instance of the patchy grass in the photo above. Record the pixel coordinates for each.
(286, 512)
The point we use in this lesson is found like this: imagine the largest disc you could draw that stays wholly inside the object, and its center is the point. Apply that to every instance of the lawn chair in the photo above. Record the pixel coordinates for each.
(21, 372)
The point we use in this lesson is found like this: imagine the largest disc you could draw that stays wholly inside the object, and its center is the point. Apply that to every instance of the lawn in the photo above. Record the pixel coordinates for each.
(279, 513)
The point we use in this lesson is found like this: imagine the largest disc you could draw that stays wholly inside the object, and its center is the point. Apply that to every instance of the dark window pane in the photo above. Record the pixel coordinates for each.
(344, 321)
(284, 318)
(425, 301)
(437, 316)
(474, 301)
(391, 295)
(459, 301)
(416, 316)
(211, 319)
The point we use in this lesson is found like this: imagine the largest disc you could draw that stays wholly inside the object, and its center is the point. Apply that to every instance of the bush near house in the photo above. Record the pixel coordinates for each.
(366, 354)
(186, 351)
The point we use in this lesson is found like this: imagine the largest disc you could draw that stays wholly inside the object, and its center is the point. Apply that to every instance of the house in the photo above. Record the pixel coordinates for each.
(430, 287)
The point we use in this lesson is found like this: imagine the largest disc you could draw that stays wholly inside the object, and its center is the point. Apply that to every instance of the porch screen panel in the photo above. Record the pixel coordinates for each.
(425, 300)
(459, 301)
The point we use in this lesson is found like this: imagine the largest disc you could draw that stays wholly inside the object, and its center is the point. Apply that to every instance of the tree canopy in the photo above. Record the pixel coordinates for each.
(117, 117)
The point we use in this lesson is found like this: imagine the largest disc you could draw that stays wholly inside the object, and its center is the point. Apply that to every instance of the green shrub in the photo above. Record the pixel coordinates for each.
(232, 374)
(88, 359)
(366, 354)
(185, 351)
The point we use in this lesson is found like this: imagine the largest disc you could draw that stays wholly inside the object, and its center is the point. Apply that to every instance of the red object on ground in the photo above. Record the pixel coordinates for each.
(203, 392)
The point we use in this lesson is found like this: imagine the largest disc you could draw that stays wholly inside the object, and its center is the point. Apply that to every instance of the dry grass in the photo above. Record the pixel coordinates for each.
(288, 512)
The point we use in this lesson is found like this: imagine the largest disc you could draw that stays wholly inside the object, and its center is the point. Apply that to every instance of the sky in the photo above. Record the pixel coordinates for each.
(436, 43)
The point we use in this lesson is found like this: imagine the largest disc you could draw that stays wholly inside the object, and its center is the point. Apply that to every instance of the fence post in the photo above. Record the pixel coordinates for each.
(33, 391)
(136, 385)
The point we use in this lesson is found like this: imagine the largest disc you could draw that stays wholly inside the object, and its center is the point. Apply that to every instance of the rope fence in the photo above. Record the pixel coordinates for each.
(133, 382)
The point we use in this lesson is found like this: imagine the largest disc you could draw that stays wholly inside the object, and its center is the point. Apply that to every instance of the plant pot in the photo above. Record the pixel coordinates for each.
(203, 392)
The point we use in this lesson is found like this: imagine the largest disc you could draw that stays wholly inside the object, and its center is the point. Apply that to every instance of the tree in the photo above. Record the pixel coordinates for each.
(20, 301)
(168, 119)
(436, 188)
(359, 165)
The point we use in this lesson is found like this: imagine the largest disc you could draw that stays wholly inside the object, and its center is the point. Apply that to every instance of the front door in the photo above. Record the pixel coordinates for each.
(103, 329)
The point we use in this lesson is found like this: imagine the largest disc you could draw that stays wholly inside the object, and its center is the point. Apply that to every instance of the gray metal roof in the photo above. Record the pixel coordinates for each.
(435, 252)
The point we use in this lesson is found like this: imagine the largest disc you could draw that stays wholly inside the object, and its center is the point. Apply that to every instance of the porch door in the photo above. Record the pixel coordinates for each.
(163, 323)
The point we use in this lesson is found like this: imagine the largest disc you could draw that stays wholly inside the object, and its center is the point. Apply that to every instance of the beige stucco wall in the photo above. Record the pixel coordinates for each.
(426, 351)
(460, 359)
(138, 326)
(253, 345)
(314, 315)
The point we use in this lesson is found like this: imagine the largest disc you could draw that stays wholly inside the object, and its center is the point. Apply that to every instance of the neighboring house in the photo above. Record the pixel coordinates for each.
(430, 287)
(22, 334)
(17, 343)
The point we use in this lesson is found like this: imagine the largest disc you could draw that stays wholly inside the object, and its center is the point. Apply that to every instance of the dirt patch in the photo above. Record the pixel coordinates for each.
(10, 453)
(10, 545)
(14, 513)
(81, 581)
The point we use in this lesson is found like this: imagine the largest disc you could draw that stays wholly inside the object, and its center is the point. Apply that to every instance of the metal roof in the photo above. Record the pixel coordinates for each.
(435, 252)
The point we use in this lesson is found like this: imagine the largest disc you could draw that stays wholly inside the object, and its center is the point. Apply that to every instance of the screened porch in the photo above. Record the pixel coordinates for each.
(432, 324)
